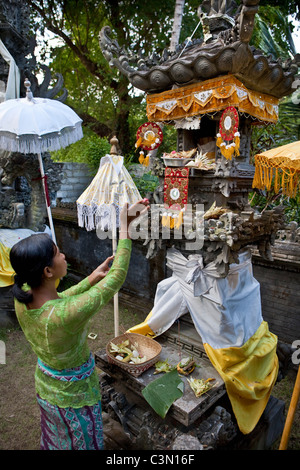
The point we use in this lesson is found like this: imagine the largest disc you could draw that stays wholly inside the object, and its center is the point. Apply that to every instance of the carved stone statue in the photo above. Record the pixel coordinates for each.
(224, 50)
(22, 203)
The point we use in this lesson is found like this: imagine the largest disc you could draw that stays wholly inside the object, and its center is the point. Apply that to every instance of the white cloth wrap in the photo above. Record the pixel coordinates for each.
(13, 80)
(226, 311)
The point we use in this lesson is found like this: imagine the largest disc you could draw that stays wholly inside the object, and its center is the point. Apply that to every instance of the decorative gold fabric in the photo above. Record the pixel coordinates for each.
(280, 167)
(208, 97)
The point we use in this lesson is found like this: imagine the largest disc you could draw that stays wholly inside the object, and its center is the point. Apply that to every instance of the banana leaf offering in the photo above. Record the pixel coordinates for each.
(163, 366)
(200, 386)
(162, 392)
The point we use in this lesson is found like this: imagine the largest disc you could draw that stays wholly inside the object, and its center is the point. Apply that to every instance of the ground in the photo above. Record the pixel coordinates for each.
(19, 423)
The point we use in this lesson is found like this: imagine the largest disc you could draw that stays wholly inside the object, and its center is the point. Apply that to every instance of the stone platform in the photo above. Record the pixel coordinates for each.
(204, 423)
(187, 409)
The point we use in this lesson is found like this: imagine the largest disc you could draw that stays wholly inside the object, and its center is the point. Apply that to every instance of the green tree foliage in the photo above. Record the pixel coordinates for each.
(90, 149)
(102, 96)
(273, 35)
(273, 32)
(286, 130)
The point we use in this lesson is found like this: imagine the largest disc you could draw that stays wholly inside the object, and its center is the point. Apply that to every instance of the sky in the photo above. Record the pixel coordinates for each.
(296, 34)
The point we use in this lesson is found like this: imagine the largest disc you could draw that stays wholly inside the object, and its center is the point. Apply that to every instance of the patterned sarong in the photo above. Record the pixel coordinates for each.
(70, 428)
(69, 375)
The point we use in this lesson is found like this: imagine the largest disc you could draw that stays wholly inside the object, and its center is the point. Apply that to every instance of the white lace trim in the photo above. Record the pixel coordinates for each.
(101, 217)
(34, 144)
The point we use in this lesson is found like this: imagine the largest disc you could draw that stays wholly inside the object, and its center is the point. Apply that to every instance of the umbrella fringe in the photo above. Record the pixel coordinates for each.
(98, 217)
(34, 144)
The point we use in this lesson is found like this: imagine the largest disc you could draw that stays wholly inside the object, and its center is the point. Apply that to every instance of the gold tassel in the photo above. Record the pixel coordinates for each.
(227, 151)
(237, 142)
(141, 158)
(165, 221)
(219, 140)
(138, 142)
(179, 220)
(146, 161)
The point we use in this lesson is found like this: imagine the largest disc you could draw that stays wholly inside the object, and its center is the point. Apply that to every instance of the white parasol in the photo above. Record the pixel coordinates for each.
(100, 204)
(36, 125)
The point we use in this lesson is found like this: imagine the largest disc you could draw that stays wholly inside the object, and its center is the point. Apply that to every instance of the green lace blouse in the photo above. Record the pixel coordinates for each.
(58, 333)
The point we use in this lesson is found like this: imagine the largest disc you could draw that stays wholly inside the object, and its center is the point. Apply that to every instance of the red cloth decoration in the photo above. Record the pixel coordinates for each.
(176, 187)
(149, 136)
(228, 132)
(175, 196)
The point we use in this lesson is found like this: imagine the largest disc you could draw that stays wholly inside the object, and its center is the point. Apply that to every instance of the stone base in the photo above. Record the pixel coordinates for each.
(7, 311)
(205, 423)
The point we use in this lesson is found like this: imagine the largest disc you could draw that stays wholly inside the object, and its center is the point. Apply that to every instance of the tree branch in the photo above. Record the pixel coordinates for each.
(90, 65)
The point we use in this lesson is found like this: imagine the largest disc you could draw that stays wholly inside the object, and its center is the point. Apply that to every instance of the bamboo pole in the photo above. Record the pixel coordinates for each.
(47, 207)
(291, 414)
(114, 151)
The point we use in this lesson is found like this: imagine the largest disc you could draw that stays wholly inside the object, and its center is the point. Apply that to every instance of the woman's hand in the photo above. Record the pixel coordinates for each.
(128, 215)
(100, 272)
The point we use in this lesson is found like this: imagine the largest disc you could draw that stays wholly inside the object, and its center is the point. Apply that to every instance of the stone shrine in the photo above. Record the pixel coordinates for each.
(192, 89)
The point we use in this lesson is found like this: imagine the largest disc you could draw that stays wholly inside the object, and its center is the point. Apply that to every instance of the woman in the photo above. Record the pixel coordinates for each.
(56, 325)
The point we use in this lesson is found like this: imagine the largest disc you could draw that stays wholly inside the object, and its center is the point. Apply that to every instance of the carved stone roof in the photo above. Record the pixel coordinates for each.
(224, 50)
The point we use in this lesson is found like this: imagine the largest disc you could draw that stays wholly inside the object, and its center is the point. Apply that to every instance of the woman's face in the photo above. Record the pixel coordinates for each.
(59, 265)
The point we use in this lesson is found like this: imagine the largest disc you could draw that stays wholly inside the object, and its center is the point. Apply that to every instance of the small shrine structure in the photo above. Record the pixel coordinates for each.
(213, 90)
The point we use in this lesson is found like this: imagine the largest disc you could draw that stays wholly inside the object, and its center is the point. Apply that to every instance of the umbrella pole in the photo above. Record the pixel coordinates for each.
(291, 413)
(48, 207)
(116, 296)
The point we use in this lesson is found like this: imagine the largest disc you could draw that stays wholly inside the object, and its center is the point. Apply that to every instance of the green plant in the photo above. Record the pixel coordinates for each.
(268, 200)
(146, 184)
(90, 149)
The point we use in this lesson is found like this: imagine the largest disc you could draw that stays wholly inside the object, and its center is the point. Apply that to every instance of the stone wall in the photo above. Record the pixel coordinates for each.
(280, 289)
(77, 177)
(279, 279)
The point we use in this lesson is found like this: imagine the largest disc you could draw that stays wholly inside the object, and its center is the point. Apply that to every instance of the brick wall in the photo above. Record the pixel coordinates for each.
(280, 289)
(77, 177)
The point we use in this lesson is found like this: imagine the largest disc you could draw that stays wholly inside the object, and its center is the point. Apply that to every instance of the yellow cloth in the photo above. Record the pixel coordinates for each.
(143, 328)
(210, 96)
(280, 166)
(6, 270)
(249, 373)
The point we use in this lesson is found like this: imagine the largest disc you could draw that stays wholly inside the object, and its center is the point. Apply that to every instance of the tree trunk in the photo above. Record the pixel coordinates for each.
(122, 116)
(179, 7)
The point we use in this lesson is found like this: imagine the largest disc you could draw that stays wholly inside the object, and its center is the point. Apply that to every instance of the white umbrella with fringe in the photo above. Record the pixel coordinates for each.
(35, 125)
(99, 206)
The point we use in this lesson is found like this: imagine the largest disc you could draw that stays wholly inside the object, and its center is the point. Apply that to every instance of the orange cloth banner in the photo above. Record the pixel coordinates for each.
(208, 97)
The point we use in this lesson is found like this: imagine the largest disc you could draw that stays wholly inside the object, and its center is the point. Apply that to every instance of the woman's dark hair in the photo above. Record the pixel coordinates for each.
(28, 258)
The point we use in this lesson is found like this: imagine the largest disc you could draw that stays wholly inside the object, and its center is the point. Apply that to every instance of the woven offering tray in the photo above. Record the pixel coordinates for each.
(148, 352)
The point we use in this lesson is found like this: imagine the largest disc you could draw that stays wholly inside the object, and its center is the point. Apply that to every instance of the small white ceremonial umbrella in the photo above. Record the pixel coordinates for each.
(100, 204)
(37, 125)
